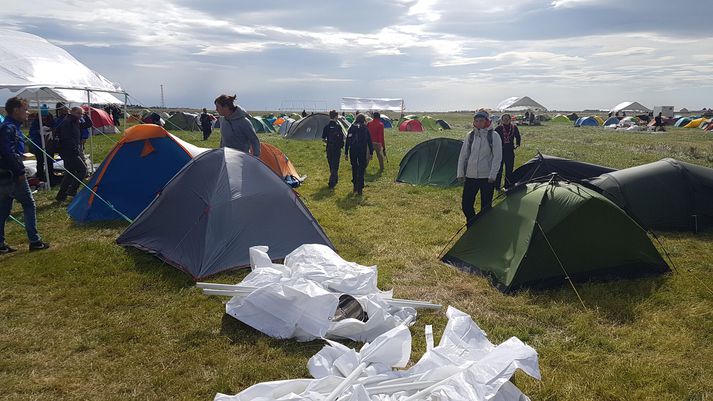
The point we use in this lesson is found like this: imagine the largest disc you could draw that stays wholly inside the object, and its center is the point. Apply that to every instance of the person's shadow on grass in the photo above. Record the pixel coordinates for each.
(323, 193)
(350, 201)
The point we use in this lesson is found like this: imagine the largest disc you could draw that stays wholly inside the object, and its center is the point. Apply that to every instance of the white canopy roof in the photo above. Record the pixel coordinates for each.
(629, 106)
(68, 96)
(30, 61)
(361, 103)
(520, 103)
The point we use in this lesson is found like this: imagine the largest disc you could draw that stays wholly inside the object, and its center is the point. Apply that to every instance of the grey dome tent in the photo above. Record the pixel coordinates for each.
(310, 127)
(443, 124)
(667, 194)
(522, 240)
(433, 162)
(541, 166)
(218, 206)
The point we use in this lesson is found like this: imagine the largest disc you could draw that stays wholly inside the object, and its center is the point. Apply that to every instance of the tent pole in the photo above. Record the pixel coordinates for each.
(42, 141)
(126, 115)
(91, 135)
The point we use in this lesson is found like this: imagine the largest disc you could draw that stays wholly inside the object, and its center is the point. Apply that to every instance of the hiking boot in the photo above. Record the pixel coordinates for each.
(38, 246)
(5, 248)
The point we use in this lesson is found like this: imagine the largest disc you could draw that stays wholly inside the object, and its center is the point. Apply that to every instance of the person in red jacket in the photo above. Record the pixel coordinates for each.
(376, 131)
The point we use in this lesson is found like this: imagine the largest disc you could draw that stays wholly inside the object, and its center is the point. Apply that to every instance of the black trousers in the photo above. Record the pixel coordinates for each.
(358, 160)
(470, 190)
(333, 157)
(206, 132)
(509, 163)
(41, 160)
(75, 165)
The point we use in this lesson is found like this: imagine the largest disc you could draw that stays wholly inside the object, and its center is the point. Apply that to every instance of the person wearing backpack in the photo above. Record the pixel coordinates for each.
(70, 149)
(355, 149)
(13, 176)
(333, 136)
(236, 131)
(478, 165)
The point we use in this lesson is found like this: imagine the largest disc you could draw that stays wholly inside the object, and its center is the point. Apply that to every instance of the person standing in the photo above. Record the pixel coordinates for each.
(236, 131)
(357, 143)
(206, 124)
(333, 136)
(70, 149)
(658, 122)
(478, 165)
(11, 149)
(376, 131)
(510, 139)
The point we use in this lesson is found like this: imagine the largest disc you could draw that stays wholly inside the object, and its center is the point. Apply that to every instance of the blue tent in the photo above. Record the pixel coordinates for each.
(2, 119)
(611, 120)
(587, 121)
(135, 170)
(682, 121)
(387, 122)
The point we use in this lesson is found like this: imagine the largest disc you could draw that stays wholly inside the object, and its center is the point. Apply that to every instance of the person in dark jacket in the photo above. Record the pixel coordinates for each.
(36, 144)
(70, 148)
(236, 131)
(14, 183)
(510, 139)
(358, 140)
(333, 136)
(658, 124)
(206, 124)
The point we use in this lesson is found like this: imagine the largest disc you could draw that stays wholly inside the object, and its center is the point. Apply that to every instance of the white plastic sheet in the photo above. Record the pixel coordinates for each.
(298, 299)
(465, 366)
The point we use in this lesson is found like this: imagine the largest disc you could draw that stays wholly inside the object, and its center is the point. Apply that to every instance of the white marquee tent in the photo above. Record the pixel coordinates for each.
(630, 106)
(520, 103)
(361, 103)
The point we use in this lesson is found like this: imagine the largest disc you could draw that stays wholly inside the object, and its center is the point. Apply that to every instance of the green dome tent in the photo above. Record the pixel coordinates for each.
(433, 162)
(429, 123)
(310, 127)
(521, 241)
(183, 121)
(261, 125)
(559, 118)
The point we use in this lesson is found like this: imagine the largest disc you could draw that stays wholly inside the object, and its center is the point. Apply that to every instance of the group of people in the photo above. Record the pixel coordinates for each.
(361, 142)
(480, 164)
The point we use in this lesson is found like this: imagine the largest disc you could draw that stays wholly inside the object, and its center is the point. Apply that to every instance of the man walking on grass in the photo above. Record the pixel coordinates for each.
(14, 183)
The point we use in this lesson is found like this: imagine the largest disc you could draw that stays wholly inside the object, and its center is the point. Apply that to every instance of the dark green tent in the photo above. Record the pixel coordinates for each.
(261, 125)
(310, 127)
(433, 162)
(443, 124)
(521, 241)
(667, 194)
(183, 121)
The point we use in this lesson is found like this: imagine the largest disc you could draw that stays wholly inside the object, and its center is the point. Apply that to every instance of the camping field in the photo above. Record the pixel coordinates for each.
(89, 320)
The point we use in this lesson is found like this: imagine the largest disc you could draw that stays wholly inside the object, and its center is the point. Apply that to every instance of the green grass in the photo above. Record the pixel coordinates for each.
(90, 320)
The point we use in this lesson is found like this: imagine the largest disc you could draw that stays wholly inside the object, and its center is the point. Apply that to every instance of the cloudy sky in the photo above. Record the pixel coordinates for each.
(436, 54)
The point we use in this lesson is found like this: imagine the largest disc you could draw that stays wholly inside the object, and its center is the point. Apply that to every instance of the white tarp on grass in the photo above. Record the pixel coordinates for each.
(465, 366)
(378, 104)
(298, 299)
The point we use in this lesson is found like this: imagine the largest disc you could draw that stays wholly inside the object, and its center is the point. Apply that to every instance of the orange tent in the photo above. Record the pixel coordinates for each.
(277, 161)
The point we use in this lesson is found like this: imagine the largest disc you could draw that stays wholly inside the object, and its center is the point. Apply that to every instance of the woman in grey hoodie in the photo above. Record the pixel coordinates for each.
(236, 130)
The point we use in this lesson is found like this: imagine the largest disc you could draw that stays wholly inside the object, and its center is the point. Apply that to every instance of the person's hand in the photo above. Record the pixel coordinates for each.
(371, 155)
(461, 179)
(346, 157)
(20, 178)
(491, 180)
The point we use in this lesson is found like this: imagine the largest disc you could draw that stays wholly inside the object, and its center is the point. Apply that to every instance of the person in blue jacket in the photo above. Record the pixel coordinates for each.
(358, 141)
(11, 150)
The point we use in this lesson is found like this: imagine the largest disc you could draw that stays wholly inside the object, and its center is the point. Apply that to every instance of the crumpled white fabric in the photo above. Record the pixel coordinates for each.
(297, 299)
(465, 365)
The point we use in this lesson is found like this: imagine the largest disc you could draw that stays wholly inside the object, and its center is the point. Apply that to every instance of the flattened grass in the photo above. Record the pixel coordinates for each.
(90, 320)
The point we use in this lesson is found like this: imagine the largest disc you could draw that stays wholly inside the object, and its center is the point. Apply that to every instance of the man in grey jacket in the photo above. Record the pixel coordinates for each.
(236, 130)
(478, 165)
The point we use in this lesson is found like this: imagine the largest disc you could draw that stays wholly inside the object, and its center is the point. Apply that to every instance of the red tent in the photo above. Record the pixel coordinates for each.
(101, 120)
(411, 125)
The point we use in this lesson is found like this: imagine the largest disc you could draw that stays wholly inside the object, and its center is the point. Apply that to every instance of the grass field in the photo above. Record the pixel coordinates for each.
(89, 320)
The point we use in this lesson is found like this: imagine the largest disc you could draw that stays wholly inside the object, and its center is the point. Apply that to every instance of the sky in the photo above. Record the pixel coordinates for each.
(438, 55)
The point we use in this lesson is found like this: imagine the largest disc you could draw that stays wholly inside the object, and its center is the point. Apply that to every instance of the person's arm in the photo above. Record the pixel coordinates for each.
(86, 122)
(325, 131)
(8, 138)
(517, 136)
(463, 158)
(254, 141)
(347, 143)
(497, 159)
(368, 141)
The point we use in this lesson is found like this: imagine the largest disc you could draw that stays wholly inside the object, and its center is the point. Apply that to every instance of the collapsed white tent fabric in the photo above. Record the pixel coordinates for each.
(630, 106)
(298, 299)
(67, 96)
(362, 103)
(465, 366)
(520, 103)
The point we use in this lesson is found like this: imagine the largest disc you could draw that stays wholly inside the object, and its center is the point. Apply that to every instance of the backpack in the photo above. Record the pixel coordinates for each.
(335, 137)
(471, 137)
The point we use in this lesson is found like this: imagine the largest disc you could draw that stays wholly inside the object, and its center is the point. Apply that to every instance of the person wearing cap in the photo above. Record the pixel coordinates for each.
(510, 139)
(333, 137)
(478, 165)
(357, 143)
